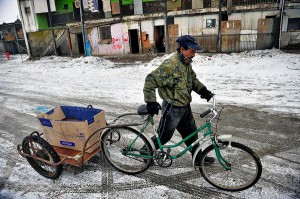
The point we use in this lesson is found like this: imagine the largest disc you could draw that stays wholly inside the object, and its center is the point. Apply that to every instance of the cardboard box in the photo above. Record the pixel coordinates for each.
(70, 126)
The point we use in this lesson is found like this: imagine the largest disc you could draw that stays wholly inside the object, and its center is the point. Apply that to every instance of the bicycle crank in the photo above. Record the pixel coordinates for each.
(163, 159)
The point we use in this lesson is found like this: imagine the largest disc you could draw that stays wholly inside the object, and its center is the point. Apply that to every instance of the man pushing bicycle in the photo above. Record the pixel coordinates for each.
(175, 80)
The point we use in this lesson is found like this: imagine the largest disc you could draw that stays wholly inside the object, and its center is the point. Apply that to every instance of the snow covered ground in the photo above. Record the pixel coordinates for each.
(263, 80)
(268, 80)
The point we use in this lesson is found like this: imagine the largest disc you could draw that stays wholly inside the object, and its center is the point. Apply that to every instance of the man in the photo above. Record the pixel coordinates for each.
(175, 80)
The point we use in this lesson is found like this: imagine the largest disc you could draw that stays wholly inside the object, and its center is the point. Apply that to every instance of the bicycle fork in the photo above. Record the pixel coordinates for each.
(225, 164)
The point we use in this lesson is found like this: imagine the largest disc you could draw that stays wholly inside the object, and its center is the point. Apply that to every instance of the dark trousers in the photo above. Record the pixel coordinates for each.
(175, 117)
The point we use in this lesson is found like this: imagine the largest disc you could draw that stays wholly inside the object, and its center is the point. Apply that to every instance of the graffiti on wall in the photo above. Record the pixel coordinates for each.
(117, 43)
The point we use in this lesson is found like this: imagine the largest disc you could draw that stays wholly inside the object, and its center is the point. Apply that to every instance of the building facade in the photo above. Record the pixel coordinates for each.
(12, 38)
(120, 27)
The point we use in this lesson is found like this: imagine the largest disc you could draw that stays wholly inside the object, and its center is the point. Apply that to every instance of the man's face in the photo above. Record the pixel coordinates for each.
(189, 53)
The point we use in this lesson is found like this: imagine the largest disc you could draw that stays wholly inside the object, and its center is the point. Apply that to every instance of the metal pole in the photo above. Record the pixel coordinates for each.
(82, 26)
(166, 28)
(17, 38)
(24, 31)
(281, 19)
(219, 28)
(70, 43)
(121, 10)
(52, 31)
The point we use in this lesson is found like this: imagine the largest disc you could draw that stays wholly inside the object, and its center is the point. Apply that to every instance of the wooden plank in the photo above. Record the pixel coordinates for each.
(63, 152)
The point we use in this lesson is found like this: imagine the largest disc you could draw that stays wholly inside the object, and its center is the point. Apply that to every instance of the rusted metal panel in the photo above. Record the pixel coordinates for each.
(147, 28)
(115, 8)
(173, 30)
(195, 25)
(230, 27)
(146, 45)
(173, 35)
(207, 42)
(230, 31)
(183, 25)
(265, 25)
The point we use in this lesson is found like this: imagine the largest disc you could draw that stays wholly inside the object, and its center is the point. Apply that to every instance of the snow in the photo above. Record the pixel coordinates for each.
(266, 80)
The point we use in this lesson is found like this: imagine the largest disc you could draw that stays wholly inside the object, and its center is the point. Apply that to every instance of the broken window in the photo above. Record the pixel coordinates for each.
(207, 3)
(294, 24)
(105, 34)
(210, 23)
(27, 10)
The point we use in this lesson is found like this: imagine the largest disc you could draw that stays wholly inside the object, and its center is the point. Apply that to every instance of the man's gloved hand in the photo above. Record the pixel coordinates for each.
(153, 108)
(206, 94)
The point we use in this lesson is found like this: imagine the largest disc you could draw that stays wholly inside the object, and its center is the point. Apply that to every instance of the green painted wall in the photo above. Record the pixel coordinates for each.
(42, 21)
(149, 0)
(127, 2)
(60, 6)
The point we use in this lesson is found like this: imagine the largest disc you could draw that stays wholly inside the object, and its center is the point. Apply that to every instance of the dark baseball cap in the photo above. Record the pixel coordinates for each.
(188, 41)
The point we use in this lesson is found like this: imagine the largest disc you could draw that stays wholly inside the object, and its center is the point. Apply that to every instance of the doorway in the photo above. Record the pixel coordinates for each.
(80, 44)
(159, 35)
(134, 41)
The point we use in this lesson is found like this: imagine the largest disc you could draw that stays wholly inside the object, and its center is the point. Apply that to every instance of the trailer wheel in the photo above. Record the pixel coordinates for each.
(43, 150)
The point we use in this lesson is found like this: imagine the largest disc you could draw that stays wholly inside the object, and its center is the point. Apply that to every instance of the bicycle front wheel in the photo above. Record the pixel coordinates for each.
(125, 150)
(245, 167)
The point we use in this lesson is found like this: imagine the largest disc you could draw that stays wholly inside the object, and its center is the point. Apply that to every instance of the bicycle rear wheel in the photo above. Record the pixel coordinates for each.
(124, 147)
(245, 167)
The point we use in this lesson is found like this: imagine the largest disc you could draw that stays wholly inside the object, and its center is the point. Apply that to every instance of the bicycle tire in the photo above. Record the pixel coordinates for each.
(43, 150)
(245, 170)
(115, 141)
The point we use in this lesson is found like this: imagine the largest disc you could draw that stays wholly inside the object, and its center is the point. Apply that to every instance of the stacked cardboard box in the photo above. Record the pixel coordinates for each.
(70, 126)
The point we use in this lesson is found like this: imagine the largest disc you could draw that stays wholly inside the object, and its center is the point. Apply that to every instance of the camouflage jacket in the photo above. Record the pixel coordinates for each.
(175, 81)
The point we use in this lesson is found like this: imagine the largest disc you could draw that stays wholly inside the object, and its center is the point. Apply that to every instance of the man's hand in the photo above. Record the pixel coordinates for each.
(206, 94)
(153, 108)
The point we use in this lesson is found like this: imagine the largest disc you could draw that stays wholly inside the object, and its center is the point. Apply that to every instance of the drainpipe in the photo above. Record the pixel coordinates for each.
(141, 38)
(281, 20)
(121, 10)
(52, 31)
(219, 28)
(24, 31)
(82, 27)
(70, 43)
(166, 28)
(17, 38)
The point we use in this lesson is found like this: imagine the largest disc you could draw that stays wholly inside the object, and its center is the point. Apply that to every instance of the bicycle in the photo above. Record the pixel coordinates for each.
(237, 167)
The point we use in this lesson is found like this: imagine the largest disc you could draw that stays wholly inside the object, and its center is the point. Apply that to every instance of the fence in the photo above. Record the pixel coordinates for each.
(237, 42)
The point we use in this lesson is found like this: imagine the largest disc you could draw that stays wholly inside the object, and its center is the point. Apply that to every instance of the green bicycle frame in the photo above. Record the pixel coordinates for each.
(208, 132)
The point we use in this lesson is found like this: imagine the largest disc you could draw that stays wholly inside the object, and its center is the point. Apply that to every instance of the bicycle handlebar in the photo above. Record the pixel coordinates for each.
(212, 109)
(202, 115)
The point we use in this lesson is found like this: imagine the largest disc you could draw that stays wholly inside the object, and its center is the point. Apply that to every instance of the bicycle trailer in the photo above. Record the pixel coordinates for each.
(71, 135)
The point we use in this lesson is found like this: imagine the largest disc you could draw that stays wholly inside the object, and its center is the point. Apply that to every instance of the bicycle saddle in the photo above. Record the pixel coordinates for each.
(142, 110)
